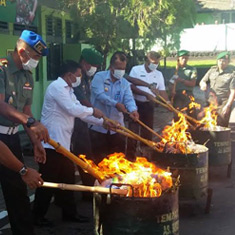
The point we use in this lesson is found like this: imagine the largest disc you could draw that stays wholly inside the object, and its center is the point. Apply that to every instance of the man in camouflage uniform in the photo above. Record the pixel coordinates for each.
(16, 89)
(222, 87)
(183, 81)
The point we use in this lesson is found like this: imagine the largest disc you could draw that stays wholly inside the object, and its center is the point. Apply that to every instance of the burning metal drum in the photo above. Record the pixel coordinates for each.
(115, 215)
(218, 143)
(192, 168)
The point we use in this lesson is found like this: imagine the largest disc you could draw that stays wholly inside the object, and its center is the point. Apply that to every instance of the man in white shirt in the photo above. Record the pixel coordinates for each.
(58, 113)
(143, 95)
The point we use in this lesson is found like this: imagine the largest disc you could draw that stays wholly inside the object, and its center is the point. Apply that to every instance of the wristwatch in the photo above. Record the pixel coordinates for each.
(30, 122)
(23, 171)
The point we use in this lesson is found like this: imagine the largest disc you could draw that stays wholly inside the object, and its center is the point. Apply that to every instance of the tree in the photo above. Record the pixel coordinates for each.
(110, 24)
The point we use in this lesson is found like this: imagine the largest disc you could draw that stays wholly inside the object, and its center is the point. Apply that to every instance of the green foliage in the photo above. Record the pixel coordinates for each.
(109, 24)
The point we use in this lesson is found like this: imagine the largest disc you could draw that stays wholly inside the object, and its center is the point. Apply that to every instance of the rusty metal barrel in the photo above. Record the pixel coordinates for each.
(218, 143)
(192, 168)
(115, 215)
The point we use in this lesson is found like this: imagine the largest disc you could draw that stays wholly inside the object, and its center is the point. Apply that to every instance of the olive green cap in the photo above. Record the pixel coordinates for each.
(92, 56)
(183, 52)
(223, 55)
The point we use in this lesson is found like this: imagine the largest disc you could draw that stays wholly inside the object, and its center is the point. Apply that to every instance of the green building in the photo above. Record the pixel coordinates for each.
(56, 28)
(215, 11)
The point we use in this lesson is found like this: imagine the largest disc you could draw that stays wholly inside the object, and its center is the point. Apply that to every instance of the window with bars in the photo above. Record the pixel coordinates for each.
(58, 27)
(49, 26)
(4, 26)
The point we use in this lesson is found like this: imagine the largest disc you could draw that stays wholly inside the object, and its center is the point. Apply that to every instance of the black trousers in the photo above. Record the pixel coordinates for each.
(81, 144)
(105, 144)
(15, 191)
(57, 169)
(146, 110)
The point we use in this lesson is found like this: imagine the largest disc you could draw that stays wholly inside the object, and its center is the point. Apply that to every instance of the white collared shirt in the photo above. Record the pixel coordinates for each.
(59, 110)
(155, 77)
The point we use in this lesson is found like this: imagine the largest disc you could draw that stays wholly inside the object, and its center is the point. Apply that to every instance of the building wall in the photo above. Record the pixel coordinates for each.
(68, 47)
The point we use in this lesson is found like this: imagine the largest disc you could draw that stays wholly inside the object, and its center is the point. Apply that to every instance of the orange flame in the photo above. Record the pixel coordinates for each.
(209, 121)
(146, 179)
(175, 137)
(193, 104)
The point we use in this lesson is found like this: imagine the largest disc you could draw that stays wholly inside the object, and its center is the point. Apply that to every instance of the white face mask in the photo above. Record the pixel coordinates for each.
(77, 83)
(118, 73)
(30, 65)
(91, 71)
(152, 66)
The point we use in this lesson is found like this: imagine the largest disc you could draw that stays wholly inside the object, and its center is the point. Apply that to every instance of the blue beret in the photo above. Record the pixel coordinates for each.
(35, 42)
(183, 52)
(223, 55)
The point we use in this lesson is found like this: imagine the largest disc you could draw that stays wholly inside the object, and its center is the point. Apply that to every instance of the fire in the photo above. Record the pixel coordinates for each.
(193, 104)
(147, 179)
(209, 121)
(175, 139)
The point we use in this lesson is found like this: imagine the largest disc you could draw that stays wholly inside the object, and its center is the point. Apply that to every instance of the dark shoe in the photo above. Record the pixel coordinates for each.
(42, 222)
(76, 219)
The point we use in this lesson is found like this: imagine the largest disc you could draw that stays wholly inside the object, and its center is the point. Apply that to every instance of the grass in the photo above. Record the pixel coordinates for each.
(199, 63)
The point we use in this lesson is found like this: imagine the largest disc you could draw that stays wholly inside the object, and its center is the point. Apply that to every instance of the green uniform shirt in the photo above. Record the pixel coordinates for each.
(17, 86)
(221, 83)
(186, 73)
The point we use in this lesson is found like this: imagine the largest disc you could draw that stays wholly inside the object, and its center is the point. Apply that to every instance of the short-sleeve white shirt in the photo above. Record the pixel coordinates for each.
(155, 77)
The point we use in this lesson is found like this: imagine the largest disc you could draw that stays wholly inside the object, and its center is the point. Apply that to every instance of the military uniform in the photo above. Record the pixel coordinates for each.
(17, 87)
(182, 92)
(220, 85)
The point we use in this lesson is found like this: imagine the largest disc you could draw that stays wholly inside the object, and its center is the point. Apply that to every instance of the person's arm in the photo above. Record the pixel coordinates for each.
(189, 83)
(137, 91)
(205, 79)
(227, 107)
(164, 95)
(13, 115)
(32, 178)
(39, 151)
(136, 81)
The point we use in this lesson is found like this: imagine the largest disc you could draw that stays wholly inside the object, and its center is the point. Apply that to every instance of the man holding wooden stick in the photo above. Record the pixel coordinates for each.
(183, 81)
(148, 73)
(59, 110)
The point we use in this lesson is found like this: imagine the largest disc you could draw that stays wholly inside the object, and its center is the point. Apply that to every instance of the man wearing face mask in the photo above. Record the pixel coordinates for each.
(90, 59)
(182, 82)
(148, 73)
(59, 110)
(111, 93)
(16, 89)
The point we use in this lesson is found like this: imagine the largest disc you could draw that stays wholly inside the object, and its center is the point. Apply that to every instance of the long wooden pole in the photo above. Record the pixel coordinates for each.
(93, 189)
(85, 166)
(134, 135)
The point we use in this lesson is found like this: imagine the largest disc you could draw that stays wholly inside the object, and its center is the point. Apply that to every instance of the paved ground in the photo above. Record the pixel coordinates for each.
(220, 220)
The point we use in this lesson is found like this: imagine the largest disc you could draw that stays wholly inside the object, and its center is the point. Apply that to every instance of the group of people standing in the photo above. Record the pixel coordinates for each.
(74, 114)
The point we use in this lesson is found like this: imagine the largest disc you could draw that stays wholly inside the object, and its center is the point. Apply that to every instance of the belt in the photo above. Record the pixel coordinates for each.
(9, 130)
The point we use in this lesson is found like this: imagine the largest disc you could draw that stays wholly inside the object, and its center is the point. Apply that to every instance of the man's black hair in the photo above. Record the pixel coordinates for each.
(118, 55)
(69, 66)
(152, 55)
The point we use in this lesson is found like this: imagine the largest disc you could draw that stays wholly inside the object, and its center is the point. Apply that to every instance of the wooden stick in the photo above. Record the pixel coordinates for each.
(175, 110)
(85, 166)
(136, 136)
(93, 189)
(149, 129)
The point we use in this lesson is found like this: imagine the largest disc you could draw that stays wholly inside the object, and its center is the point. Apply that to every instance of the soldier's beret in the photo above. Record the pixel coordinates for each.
(35, 41)
(182, 53)
(223, 55)
(92, 56)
